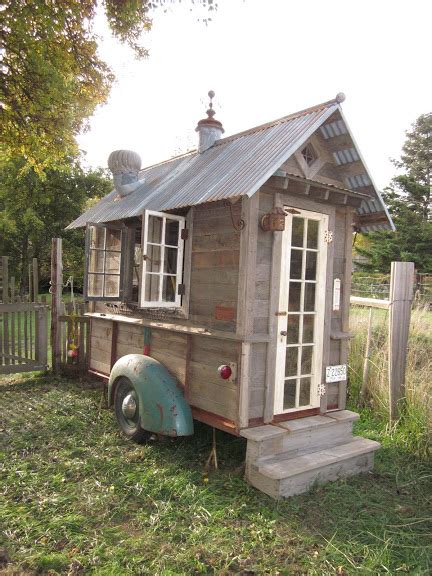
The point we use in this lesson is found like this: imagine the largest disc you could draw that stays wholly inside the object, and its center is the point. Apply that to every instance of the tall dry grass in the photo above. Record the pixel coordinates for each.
(416, 408)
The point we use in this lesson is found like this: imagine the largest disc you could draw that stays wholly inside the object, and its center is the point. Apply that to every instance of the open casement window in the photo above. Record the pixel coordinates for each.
(162, 268)
(105, 250)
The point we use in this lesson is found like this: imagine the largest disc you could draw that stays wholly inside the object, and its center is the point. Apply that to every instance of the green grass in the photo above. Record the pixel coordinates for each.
(75, 498)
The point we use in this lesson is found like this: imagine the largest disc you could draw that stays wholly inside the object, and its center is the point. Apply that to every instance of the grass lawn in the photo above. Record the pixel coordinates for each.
(75, 498)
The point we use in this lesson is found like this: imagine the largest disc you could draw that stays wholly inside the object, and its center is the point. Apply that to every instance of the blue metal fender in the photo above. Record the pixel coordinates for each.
(162, 407)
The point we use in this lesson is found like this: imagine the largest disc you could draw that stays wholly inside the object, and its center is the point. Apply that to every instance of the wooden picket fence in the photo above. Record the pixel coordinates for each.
(23, 325)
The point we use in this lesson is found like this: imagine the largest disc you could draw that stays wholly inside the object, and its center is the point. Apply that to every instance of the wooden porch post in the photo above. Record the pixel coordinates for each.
(56, 292)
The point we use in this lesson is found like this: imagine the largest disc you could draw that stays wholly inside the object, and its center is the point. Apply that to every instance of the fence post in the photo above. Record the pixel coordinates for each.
(401, 296)
(56, 292)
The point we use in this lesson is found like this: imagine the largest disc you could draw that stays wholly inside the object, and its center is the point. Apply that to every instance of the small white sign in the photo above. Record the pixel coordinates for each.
(336, 294)
(336, 373)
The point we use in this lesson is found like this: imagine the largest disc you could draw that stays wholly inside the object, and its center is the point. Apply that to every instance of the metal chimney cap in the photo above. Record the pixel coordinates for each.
(124, 161)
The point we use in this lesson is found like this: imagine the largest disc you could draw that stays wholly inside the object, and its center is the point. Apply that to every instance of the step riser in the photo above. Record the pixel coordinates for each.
(303, 482)
(300, 442)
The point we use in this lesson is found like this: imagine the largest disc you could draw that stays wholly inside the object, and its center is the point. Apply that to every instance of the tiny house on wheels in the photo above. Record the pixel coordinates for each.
(219, 284)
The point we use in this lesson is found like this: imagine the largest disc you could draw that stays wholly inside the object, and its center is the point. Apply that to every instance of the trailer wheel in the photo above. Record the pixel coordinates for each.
(126, 409)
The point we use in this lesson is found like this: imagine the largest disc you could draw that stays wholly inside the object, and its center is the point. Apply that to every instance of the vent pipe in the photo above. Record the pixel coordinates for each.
(209, 130)
(125, 166)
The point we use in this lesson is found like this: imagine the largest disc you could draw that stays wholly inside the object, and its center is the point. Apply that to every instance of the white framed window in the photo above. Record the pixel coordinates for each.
(162, 253)
(104, 278)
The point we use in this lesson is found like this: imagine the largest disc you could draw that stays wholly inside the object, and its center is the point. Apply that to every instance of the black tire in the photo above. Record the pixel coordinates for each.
(129, 426)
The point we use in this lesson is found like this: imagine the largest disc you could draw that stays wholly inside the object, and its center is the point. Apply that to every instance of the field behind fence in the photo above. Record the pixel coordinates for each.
(378, 286)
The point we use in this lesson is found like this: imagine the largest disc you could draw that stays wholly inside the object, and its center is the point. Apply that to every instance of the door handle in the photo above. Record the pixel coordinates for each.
(283, 333)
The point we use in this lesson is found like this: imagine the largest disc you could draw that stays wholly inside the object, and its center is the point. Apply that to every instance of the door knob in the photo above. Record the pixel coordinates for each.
(283, 333)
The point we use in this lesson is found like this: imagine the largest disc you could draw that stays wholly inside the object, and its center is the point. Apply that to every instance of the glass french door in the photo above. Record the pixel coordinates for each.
(300, 318)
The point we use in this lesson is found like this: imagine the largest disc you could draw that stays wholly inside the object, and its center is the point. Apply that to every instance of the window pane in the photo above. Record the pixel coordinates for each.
(97, 237)
(170, 262)
(153, 258)
(291, 361)
(154, 229)
(311, 265)
(112, 286)
(113, 239)
(289, 394)
(169, 288)
(112, 262)
(312, 234)
(294, 296)
(296, 264)
(306, 360)
(309, 301)
(96, 263)
(297, 231)
(308, 328)
(152, 287)
(305, 384)
(293, 329)
(171, 232)
(95, 284)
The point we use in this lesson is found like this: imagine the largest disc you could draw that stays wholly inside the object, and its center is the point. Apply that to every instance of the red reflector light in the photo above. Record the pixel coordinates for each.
(225, 371)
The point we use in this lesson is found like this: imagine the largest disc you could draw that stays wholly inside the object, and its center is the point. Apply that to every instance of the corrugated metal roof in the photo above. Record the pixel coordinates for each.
(234, 166)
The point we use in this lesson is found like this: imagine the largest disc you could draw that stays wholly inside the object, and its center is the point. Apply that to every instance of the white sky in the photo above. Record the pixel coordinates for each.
(266, 59)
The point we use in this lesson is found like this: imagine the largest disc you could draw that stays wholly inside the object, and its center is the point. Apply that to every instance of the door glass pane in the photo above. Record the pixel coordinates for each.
(306, 360)
(308, 328)
(169, 289)
(309, 301)
(112, 262)
(305, 385)
(154, 229)
(294, 296)
(95, 285)
(312, 234)
(112, 286)
(152, 287)
(153, 258)
(170, 262)
(113, 239)
(297, 231)
(291, 361)
(296, 264)
(171, 232)
(289, 394)
(311, 265)
(293, 329)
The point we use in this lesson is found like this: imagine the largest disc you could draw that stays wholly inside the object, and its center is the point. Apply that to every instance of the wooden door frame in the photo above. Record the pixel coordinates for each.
(280, 200)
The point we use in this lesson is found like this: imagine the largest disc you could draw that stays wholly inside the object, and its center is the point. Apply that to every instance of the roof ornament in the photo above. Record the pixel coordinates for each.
(340, 97)
(209, 129)
(125, 166)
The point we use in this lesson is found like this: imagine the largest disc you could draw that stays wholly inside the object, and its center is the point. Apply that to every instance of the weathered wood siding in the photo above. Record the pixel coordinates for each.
(100, 345)
(215, 266)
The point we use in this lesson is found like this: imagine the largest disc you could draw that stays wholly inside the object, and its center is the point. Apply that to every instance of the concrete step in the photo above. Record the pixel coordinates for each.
(296, 475)
(296, 437)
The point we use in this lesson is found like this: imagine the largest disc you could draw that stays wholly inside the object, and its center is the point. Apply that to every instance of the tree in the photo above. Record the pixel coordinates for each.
(409, 200)
(52, 78)
(34, 210)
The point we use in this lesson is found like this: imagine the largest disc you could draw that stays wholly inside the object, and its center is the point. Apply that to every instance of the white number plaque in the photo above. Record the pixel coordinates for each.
(336, 373)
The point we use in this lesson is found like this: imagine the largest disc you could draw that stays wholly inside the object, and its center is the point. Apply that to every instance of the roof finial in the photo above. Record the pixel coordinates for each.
(210, 111)
(340, 97)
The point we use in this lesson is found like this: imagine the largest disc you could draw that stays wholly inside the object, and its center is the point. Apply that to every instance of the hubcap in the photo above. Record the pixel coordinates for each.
(129, 407)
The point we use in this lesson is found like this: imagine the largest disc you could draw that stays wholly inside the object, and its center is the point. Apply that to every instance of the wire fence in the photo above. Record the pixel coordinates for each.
(378, 286)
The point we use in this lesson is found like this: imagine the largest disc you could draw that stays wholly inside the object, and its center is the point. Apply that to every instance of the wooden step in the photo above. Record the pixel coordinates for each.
(299, 436)
(296, 475)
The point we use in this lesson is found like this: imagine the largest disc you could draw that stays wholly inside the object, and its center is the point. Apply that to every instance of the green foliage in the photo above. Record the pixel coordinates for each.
(409, 200)
(34, 210)
(79, 499)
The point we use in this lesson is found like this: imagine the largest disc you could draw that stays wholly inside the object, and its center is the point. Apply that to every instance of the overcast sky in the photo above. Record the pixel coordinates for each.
(266, 59)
